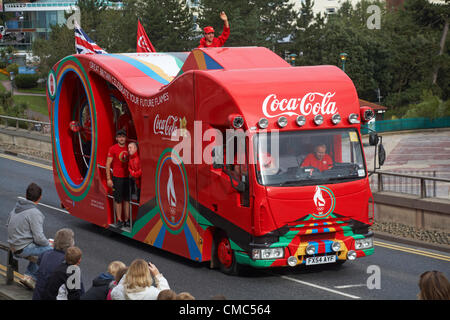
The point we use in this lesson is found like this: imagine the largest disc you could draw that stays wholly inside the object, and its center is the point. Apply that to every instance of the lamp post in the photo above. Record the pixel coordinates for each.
(292, 58)
(343, 56)
(12, 76)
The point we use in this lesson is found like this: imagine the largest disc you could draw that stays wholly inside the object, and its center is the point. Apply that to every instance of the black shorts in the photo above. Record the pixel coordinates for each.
(121, 189)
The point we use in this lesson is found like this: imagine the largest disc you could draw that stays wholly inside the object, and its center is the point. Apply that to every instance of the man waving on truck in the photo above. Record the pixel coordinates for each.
(209, 41)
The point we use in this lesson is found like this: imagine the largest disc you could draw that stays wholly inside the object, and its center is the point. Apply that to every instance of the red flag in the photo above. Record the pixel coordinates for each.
(143, 42)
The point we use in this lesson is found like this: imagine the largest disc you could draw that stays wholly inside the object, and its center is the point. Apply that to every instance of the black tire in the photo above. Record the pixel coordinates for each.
(225, 256)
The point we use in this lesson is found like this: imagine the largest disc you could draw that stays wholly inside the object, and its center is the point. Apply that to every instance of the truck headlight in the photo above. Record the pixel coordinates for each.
(365, 243)
(353, 118)
(310, 249)
(301, 121)
(336, 118)
(336, 246)
(282, 122)
(318, 119)
(351, 255)
(263, 123)
(271, 253)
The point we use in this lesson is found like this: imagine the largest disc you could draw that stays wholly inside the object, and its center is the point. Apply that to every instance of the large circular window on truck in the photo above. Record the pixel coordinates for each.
(73, 129)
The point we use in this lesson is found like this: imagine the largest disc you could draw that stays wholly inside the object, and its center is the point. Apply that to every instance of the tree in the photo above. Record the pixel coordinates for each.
(116, 31)
(61, 43)
(399, 59)
(431, 107)
(305, 15)
(253, 23)
(432, 16)
(169, 24)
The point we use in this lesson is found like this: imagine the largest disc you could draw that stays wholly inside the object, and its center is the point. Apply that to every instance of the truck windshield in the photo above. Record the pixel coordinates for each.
(297, 158)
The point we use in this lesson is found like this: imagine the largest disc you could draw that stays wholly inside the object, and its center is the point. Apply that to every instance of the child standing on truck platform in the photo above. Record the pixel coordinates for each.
(134, 167)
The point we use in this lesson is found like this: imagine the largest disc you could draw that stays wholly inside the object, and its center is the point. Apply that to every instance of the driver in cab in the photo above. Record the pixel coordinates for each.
(319, 159)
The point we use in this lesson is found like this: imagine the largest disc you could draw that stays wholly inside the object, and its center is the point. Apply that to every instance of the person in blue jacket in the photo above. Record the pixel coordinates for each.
(103, 283)
(49, 260)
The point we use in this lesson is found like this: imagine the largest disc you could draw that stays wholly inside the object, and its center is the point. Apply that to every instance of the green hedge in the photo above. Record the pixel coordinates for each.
(26, 81)
(13, 67)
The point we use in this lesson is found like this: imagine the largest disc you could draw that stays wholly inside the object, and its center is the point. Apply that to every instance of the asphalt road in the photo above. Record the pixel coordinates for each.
(398, 266)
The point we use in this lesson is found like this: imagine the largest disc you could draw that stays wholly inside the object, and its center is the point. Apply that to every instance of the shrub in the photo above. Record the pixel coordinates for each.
(13, 67)
(26, 81)
(6, 100)
(431, 107)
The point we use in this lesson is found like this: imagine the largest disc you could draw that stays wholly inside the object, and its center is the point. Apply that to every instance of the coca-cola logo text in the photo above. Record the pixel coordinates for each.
(165, 127)
(311, 103)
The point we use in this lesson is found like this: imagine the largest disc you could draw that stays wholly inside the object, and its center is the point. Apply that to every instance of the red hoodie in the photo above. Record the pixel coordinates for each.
(134, 167)
(217, 42)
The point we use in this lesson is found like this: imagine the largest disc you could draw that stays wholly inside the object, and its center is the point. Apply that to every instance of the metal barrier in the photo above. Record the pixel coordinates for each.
(30, 125)
(406, 124)
(12, 265)
(416, 183)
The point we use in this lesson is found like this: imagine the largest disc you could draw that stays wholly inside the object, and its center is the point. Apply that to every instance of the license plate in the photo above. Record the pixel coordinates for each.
(320, 260)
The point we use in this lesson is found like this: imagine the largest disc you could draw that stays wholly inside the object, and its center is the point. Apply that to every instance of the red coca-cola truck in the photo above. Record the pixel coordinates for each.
(245, 159)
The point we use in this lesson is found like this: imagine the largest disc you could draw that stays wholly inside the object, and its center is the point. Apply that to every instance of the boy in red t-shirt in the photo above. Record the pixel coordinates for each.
(120, 182)
(319, 159)
(134, 167)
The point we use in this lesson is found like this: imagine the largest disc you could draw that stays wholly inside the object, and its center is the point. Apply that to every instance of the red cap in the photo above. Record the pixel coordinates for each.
(208, 29)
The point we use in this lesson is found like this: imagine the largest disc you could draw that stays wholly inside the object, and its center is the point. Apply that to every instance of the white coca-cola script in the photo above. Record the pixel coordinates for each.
(311, 103)
(165, 127)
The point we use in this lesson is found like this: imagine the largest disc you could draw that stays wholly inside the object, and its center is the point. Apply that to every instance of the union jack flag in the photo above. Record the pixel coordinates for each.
(84, 44)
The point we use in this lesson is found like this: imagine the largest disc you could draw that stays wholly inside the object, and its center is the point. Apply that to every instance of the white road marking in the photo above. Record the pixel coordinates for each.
(320, 287)
(350, 286)
(48, 206)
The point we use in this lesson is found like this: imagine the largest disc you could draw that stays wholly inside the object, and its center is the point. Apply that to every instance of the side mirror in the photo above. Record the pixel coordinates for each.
(381, 155)
(373, 139)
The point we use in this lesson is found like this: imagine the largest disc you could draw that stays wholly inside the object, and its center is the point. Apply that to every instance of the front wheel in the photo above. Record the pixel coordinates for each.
(225, 257)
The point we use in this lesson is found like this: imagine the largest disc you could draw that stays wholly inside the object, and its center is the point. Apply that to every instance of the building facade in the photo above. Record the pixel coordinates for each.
(33, 19)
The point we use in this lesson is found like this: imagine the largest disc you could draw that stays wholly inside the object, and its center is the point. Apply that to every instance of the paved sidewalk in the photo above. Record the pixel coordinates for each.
(427, 150)
(418, 152)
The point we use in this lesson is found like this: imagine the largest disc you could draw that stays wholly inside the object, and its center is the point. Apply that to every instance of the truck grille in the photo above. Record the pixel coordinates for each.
(325, 229)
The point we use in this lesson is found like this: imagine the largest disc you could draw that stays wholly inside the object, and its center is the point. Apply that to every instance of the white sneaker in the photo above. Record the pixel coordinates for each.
(28, 282)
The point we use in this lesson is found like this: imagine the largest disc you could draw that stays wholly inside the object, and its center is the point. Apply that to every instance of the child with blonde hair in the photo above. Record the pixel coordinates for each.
(137, 283)
(102, 284)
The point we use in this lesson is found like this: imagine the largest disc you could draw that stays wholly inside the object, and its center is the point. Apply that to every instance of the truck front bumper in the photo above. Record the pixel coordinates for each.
(298, 252)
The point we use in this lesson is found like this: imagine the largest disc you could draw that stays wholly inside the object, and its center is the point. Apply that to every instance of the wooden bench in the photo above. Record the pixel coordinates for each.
(12, 264)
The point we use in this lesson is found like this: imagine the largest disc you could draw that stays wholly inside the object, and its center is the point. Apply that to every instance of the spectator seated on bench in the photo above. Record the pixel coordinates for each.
(25, 232)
